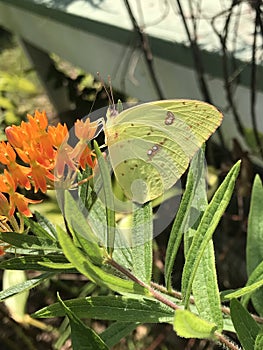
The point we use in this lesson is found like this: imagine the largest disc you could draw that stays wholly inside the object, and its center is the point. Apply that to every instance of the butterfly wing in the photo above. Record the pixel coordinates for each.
(150, 145)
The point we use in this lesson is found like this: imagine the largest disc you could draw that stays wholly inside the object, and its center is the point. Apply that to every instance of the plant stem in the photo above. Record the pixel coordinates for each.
(226, 342)
(221, 338)
(153, 292)
(178, 295)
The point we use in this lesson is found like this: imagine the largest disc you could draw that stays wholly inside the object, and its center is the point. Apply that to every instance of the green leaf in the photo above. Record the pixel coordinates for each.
(27, 242)
(16, 304)
(37, 229)
(84, 265)
(123, 254)
(205, 230)
(24, 286)
(108, 197)
(189, 325)
(205, 289)
(255, 227)
(255, 276)
(142, 236)
(82, 336)
(254, 250)
(116, 331)
(46, 224)
(245, 290)
(179, 225)
(85, 190)
(79, 226)
(36, 262)
(114, 308)
(246, 327)
(259, 341)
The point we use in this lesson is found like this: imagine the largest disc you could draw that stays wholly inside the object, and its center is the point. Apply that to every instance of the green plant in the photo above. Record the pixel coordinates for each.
(97, 249)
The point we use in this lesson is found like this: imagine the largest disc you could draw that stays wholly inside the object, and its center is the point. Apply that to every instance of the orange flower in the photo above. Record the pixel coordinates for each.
(39, 121)
(86, 158)
(58, 134)
(19, 201)
(64, 157)
(19, 172)
(31, 134)
(39, 174)
(42, 148)
(17, 135)
(4, 206)
(86, 131)
(16, 200)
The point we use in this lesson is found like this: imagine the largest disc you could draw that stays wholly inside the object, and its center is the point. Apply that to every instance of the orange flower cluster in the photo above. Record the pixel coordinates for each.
(31, 155)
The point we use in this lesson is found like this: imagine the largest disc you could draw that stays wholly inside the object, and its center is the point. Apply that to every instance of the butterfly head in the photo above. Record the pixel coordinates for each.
(114, 110)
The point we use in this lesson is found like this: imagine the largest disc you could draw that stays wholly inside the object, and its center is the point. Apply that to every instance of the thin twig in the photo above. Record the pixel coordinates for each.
(226, 73)
(152, 291)
(178, 295)
(199, 68)
(146, 50)
(253, 86)
(162, 299)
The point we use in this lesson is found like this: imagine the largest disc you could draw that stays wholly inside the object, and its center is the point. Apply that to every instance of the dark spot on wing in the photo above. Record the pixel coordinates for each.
(151, 152)
(169, 118)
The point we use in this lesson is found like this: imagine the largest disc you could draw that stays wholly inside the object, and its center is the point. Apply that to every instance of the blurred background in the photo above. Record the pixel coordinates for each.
(50, 53)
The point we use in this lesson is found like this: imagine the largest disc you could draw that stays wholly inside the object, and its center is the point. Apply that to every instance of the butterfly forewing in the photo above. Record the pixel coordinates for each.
(150, 145)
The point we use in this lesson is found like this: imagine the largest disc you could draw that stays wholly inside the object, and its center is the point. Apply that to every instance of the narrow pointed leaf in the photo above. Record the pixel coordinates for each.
(116, 331)
(206, 228)
(183, 218)
(176, 233)
(246, 327)
(255, 276)
(109, 199)
(37, 229)
(254, 249)
(205, 289)
(35, 263)
(142, 235)
(245, 290)
(82, 337)
(46, 224)
(115, 308)
(24, 286)
(255, 227)
(84, 265)
(29, 242)
(79, 226)
(205, 286)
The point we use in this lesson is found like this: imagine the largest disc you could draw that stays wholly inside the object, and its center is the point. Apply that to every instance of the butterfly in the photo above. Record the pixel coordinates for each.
(150, 145)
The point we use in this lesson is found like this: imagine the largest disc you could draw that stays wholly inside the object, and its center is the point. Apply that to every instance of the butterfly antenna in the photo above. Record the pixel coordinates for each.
(95, 98)
(104, 86)
(111, 91)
